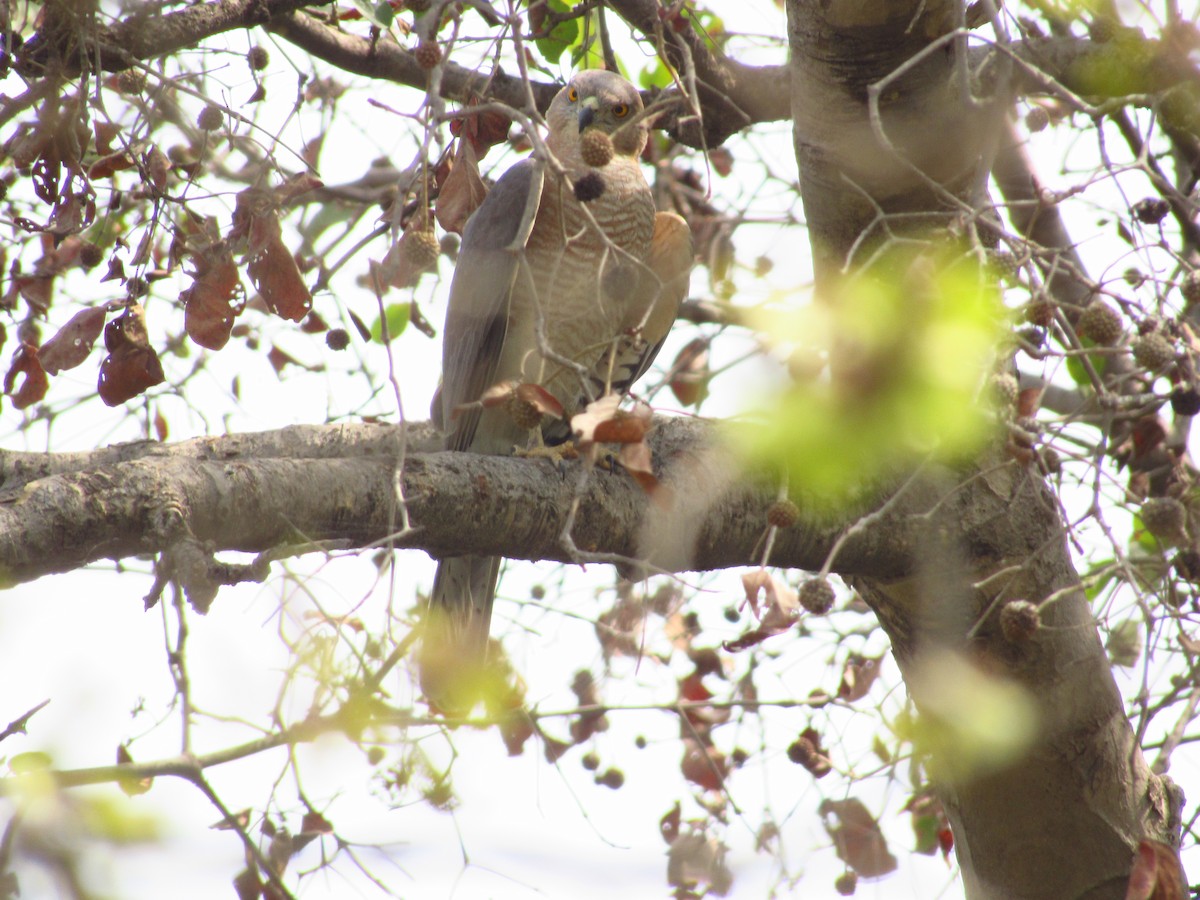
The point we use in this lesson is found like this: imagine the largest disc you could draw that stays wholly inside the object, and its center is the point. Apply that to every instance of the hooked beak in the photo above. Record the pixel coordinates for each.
(587, 114)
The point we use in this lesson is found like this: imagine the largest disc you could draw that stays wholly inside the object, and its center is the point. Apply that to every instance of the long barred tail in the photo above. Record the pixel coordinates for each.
(453, 653)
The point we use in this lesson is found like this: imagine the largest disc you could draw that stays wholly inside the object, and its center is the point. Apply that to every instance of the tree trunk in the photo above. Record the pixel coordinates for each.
(1063, 820)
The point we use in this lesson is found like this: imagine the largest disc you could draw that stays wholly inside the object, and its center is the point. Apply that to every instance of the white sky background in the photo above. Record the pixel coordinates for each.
(528, 828)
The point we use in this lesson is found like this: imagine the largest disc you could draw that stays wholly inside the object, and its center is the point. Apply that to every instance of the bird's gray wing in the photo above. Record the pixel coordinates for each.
(477, 314)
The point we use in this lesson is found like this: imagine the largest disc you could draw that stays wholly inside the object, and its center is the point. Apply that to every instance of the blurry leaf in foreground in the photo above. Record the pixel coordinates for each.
(696, 859)
(908, 353)
(131, 785)
(972, 723)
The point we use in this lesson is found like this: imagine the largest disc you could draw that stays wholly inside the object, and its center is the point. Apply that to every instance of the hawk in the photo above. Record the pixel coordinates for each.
(569, 279)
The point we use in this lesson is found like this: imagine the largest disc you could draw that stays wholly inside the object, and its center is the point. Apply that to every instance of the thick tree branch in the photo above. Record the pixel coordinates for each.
(731, 95)
(389, 61)
(147, 35)
(213, 492)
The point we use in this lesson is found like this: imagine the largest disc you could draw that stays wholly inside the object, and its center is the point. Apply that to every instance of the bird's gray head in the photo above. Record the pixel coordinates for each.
(597, 99)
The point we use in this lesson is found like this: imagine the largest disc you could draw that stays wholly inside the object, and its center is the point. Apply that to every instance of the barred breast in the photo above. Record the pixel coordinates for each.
(584, 282)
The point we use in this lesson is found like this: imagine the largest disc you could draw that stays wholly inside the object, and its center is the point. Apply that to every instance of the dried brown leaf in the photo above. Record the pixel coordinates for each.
(33, 385)
(131, 366)
(461, 191)
(856, 837)
(73, 342)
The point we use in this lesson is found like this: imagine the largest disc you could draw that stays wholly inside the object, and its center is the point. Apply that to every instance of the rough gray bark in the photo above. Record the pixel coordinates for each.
(291, 488)
(1064, 820)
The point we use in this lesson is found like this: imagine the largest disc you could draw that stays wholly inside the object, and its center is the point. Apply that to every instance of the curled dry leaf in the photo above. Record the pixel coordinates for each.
(668, 825)
(638, 462)
(603, 422)
(695, 859)
(460, 191)
(482, 130)
(589, 723)
(132, 365)
(702, 718)
(689, 373)
(858, 675)
(73, 342)
(705, 766)
(33, 385)
(516, 728)
(1156, 874)
(856, 837)
(314, 824)
(271, 266)
(540, 399)
(215, 297)
(502, 392)
(157, 166)
(776, 612)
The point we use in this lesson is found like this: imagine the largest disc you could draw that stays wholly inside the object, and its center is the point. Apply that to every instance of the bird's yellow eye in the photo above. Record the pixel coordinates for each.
(572, 94)
(621, 110)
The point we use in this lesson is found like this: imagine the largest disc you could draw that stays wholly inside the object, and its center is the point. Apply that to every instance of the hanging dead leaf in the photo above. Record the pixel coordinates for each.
(704, 766)
(604, 423)
(668, 825)
(216, 296)
(482, 130)
(858, 675)
(721, 160)
(1029, 401)
(73, 342)
(461, 191)
(132, 365)
(248, 885)
(1156, 874)
(280, 850)
(592, 722)
(157, 166)
(856, 837)
(271, 266)
(33, 385)
(689, 373)
(315, 823)
(780, 606)
(695, 859)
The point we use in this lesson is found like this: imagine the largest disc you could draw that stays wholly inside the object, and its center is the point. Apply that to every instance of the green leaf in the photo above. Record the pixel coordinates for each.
(1124, 643)
(380, 14)
(655, 76)
(910, 347)
(562, 36)
(1094, 586)
(30, 761)
(398, 316)
(1076, 368)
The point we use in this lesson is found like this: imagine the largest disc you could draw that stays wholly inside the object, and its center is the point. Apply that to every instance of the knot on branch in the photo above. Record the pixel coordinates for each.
(191, 564)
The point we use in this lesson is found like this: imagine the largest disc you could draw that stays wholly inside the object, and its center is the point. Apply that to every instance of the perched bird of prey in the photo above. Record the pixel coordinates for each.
(570, 283)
